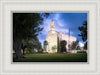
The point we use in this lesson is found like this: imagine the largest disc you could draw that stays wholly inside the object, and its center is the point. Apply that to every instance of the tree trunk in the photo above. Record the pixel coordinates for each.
(23, 51)
(17, 48)
(19, 55)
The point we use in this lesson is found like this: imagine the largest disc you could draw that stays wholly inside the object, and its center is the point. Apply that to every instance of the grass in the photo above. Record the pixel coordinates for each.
(67, 57)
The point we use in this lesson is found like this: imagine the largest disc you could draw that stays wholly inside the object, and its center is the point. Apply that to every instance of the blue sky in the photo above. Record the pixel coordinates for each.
(62, 22)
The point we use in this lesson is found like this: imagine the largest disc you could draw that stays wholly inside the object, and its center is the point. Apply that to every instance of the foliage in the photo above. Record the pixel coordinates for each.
(74, 45)
(32, 44)
(63, 44)
(69, 46)
(78, 48)
(29, 50)
(45, 43)
(40, 51)
(81, 51)
(53, 48)
(83, 33)
(85, 46)
(83, 30)
(26, 26)
(43, 48)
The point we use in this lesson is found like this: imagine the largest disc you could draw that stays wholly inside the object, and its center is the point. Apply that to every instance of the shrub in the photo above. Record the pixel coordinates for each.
(81, 51)
(40, 51)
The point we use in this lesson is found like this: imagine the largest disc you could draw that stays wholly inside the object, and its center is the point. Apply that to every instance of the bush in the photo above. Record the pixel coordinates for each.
(29, 50)
(81, 51)
(40, 51)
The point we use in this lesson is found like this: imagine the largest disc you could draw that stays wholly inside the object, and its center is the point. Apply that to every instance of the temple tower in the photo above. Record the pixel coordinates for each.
(52, 26)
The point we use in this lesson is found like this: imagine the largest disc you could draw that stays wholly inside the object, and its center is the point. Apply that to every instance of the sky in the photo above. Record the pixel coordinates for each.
(62, 22)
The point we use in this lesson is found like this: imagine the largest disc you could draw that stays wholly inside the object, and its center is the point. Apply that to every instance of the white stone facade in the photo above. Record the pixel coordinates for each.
(52, 39)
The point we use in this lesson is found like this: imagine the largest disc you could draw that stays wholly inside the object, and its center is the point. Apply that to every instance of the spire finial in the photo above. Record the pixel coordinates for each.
(52, 22)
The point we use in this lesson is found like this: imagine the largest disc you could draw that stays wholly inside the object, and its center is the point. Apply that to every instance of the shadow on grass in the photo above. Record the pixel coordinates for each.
(60, 57)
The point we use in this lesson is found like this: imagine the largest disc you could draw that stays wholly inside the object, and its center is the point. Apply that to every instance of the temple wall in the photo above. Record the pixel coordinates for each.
(52, 41)
(68, 38)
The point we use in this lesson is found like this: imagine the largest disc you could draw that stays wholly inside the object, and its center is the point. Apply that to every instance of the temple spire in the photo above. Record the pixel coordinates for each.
(52, 22)
(52, 26)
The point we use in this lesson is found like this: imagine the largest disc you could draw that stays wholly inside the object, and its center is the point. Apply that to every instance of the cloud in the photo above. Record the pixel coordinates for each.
(81, 44)
(55, 16)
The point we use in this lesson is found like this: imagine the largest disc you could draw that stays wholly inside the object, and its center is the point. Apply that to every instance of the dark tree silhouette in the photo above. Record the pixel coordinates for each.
(85, 46)
(83, 33)
(63, 44)
(83, 30)
(45, 45)
(25, 26)
(74, 45)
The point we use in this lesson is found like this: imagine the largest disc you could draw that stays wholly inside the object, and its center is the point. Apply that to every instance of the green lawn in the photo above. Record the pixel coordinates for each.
(67, 57)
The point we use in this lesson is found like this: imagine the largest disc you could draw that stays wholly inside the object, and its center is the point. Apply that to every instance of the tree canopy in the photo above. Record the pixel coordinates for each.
(74, 45)
(83, 33)
(83, 30)
(26, 26)
(63, 44)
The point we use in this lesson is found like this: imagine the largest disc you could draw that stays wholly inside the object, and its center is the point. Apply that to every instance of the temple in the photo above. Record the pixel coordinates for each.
(54, 36)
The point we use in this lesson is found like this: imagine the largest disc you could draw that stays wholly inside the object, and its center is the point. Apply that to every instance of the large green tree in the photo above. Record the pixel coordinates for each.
(45, 45)
(31, 44)
(63, 44)
(83, 33)
(25, 26)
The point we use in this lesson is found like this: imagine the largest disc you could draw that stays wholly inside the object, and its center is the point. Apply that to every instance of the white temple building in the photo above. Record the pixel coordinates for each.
(52, 38)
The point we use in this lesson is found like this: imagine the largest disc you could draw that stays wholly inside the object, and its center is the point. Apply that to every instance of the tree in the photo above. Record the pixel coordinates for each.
(69, 47)
(63, 44)
(45, 44)
(85, 46)
(32, 44)
(78, 48)
(83, 33)
(43, 48)
(53, 49)
(25, 26)
(74, 45)
(38, 46)
(23, 47)
(83, 30)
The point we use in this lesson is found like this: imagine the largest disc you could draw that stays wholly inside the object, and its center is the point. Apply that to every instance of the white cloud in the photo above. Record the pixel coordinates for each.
(63, 30)
(81, 44)
(56, 16)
